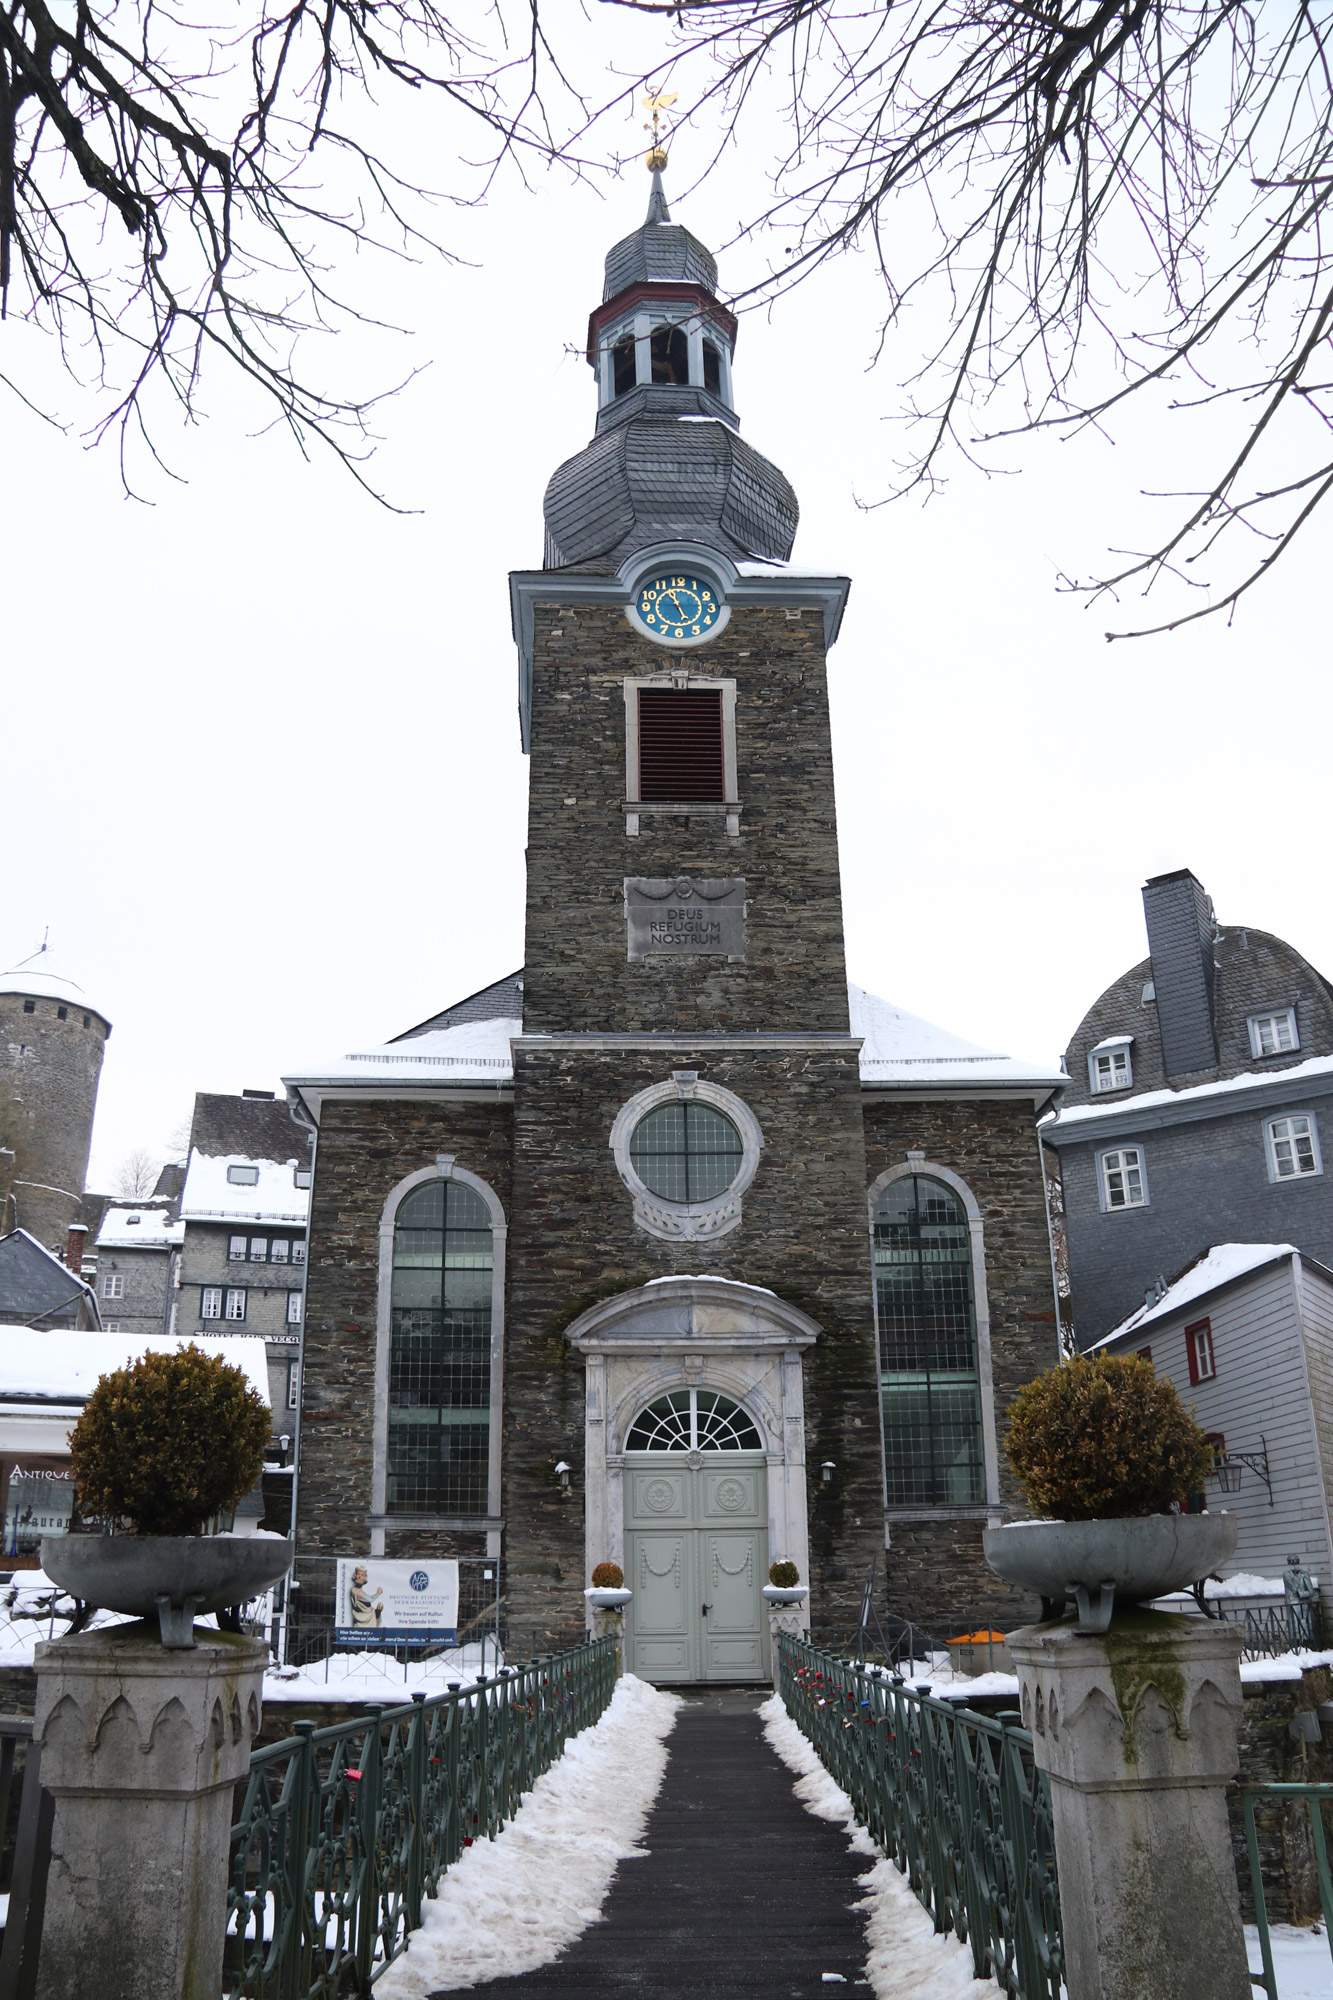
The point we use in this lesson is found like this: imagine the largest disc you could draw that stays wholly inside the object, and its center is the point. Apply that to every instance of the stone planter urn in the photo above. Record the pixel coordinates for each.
(173, 1578)
(1105, 1564)
(1133, 1716)
(607, 1608)
(784, 1603)
(777, 1594)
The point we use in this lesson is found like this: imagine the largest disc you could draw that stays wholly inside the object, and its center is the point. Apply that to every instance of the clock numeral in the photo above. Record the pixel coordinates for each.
(707, 596)
(696, 632)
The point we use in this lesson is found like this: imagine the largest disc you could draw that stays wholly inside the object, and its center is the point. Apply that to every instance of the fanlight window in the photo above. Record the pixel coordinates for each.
(693, 1420)
(440, 1353)
(686, 1152)
(928, 1346)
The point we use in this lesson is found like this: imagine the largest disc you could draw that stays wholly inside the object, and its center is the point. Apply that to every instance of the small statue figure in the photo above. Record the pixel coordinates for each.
(1298, 1585)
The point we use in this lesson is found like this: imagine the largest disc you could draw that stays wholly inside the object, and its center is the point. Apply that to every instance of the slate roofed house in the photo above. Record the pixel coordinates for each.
(1246, 1335)
(137, 1249)
(1199, 1103)
(40, 1291)
(673, 1250)
(243, 1212)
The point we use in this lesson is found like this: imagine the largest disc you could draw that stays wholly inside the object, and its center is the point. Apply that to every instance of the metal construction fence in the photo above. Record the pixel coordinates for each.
(344, 1831)
(952, 1797)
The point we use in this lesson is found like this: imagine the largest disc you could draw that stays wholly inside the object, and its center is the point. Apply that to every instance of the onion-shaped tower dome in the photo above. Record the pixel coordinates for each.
(667, 462)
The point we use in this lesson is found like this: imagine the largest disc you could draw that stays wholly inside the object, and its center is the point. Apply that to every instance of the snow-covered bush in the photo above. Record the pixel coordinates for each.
(784, 1575)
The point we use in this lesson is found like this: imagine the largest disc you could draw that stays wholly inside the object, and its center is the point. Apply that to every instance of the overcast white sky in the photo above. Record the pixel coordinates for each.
(261, 770)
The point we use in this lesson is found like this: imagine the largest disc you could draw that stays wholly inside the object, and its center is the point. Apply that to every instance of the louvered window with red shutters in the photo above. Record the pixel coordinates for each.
(680, 744)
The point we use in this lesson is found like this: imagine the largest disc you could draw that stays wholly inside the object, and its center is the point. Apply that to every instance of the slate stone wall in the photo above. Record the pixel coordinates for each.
(937, 1576)
(364, 1151)
(573, 1241)
(577, 976)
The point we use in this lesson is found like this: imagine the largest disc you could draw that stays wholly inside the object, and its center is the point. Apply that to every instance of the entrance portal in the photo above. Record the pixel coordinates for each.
(696, 1540)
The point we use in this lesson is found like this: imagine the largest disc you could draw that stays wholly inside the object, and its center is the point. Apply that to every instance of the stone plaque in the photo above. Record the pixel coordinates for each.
(684, 918)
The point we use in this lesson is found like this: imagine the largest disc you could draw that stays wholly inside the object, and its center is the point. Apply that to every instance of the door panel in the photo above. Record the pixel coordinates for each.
(695, 1536)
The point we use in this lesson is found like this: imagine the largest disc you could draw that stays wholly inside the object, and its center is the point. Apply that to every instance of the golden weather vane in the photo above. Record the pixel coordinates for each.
(657, 101)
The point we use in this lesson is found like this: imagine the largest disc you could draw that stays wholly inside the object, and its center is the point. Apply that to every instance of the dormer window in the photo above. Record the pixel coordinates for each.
(243, 1176)
(1110, 1065)
(1273, 1034)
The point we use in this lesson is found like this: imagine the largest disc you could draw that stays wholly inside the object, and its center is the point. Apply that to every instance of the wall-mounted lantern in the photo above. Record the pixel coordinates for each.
(826, 1472)
(284, 1446)
(562, 1473)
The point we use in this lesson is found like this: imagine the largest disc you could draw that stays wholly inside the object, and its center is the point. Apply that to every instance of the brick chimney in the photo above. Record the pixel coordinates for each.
(77, 1242)
(1180, 937)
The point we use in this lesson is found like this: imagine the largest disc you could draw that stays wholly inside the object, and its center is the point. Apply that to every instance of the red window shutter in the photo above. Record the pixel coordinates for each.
(1143, 1354)
(680, 743)
(1192, 1348)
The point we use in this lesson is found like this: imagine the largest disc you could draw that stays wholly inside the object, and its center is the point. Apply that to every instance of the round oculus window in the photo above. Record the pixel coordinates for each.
(686, 1152)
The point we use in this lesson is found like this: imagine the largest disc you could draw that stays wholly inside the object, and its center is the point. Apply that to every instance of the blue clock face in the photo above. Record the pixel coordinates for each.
(678, 607)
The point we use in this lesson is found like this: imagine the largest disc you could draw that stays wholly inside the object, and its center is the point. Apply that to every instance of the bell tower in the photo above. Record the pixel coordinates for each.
(682, 844)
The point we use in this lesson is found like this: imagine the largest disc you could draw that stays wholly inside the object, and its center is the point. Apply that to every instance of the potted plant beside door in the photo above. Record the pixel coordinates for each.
(162, 1448)
(1107, 1453)
(608, 1592)
(784, 1584)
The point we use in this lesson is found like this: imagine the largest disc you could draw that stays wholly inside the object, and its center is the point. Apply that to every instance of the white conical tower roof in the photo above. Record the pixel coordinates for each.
(41, 976)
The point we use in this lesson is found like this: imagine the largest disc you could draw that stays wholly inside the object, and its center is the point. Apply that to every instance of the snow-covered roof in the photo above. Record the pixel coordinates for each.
(1217, 1267)
(1110, 1042)
(1126, 1102)
(901, 1049)
(40, 977)
(209, 1196)
(899, 1052)
(131, 1228)
(38, 1365)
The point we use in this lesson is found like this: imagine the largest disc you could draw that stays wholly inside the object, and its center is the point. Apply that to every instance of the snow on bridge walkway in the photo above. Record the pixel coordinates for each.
(738, 1892)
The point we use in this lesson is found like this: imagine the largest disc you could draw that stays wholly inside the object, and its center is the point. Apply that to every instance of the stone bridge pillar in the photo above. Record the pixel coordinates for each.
(1136, 1728)
(140, 1749)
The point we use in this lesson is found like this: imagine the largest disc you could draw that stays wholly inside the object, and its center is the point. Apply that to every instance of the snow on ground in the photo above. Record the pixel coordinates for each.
(1301, 1961)
(907, 1961)
(515, 1902)
(367, 1676)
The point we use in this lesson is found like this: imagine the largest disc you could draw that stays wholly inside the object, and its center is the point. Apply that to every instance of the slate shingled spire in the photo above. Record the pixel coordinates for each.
(657, 470)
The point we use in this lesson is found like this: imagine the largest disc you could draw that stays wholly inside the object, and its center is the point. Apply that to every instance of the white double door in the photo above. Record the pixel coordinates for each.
(696, 1549)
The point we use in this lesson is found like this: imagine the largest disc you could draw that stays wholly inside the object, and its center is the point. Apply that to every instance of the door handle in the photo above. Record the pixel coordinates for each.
(704, 1609)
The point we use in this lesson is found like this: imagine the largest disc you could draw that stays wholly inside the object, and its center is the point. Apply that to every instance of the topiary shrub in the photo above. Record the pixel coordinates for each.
(1104, 1438)
(784, 1574)
(608, 1576)
(164, 1445)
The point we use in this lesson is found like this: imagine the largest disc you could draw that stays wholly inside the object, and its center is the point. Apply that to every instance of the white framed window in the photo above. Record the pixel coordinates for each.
(235, 1306)
(680, 748)
(293, 1384)
(113, 1285)
(259, 1249)
(302, 1177)
(1124, 1182)
(1110, 1065)
(236, 1250)
(1273, 1034)
(210, 1302)
(293, 1308)
(112, 1326)
(298, 1250)
(243, 1176)
(1293, 1148)
(687, 1150)
(278, 1250)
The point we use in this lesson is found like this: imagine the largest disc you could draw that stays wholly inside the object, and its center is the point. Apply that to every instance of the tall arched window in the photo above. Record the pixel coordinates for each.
(440, 1352)
(928, 1346)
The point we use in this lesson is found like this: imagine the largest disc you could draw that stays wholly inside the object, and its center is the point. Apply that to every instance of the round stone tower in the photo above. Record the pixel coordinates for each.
(52, 1040)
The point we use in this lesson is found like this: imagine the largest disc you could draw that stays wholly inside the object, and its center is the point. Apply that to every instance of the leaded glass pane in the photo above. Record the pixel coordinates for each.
(928, 1361)
(693, 1420)
(686, 1152)
(440, 1353)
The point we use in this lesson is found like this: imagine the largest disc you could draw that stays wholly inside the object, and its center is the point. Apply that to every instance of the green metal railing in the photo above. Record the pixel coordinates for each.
(1316, 1797)
(345, 1830)
(953, 1798)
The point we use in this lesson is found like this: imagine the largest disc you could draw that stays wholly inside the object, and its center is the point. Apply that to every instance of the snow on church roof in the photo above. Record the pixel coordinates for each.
(899, 1052)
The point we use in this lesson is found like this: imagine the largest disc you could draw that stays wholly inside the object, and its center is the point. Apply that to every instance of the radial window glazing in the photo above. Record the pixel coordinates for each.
(693, 1420)
(440, 1353)
(929, 1379)
(686, 1152)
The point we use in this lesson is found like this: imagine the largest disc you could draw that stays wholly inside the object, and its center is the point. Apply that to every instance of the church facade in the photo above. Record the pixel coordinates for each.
(672, 1249)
